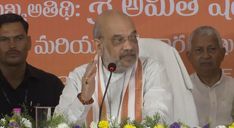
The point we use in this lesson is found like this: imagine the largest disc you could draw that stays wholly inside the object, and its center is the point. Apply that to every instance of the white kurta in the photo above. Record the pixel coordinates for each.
(157, 94)
(214, 104)
(184, 106)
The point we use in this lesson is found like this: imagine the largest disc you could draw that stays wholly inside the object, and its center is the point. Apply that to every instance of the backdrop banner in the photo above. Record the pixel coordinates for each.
(61, 30)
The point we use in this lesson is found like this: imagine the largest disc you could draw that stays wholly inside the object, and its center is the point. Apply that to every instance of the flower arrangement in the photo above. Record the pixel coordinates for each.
(18, 120)
(24, 121)
(148, 122)
(226, 126)
(58, 121)
(15, 122)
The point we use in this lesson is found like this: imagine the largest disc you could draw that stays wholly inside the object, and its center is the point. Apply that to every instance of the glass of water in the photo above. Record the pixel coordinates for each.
(42, 114)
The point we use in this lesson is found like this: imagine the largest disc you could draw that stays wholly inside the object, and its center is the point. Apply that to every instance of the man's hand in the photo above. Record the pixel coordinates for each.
(88, 81)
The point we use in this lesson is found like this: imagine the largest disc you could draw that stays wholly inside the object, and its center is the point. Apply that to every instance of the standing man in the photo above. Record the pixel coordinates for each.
(138, 87)
(21, 83)
(213, 91)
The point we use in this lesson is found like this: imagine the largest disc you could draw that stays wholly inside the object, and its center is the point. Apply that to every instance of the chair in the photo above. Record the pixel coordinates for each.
(184, 106)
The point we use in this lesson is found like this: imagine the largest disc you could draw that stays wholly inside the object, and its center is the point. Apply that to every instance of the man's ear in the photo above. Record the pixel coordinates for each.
(29, 42)
(99, 46)
(223, 51)
(188, 54)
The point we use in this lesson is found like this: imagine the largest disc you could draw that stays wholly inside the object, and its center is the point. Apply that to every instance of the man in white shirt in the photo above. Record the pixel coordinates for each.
(138, 87)
(213, 91)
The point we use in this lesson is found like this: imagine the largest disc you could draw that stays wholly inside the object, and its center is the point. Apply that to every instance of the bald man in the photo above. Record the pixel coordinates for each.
(138, 87)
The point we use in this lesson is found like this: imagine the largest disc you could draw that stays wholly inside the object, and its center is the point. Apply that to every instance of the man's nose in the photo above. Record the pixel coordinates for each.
(128, 44)
(206, 54)
(12, 43)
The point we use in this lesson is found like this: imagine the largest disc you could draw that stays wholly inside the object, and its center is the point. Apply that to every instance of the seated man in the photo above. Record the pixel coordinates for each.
(21, 83)
(138, 88)
(213, 91)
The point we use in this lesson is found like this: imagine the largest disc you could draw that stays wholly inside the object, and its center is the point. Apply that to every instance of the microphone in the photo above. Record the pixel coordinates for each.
(111, 67)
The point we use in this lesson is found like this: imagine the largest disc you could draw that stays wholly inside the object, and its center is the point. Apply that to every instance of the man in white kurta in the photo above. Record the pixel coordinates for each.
(213, 92)
(157, 96)
(138, 84)
(214, 104)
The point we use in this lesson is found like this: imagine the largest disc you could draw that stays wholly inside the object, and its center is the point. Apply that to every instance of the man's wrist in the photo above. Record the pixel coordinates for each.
(85, 102)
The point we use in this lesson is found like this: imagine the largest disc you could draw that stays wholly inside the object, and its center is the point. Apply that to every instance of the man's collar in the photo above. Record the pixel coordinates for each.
(31, 72)
(220, 80)
(214, 85)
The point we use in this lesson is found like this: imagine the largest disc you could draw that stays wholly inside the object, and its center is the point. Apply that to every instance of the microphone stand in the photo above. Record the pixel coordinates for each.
(111, 68)
(100, 110)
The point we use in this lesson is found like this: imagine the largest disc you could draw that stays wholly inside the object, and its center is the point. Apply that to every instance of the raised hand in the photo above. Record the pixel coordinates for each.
(88, 81)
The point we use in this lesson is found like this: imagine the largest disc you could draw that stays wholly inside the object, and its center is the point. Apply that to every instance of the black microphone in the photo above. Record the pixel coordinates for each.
(111, 68)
